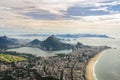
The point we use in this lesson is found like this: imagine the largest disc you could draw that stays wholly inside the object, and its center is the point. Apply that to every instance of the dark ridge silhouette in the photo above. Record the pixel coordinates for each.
(5, 42)
(35, 42)
(50, 44)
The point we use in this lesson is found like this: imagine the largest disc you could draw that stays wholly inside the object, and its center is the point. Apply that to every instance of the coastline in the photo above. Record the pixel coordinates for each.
(89, 75)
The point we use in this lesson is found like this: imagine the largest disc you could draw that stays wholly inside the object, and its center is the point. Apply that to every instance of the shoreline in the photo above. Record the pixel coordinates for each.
(90, 74)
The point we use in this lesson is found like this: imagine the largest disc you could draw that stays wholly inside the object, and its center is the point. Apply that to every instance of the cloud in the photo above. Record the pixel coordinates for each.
(108, 3)
(58, 14)
(105, 19)
(86, 11)
(58, 9)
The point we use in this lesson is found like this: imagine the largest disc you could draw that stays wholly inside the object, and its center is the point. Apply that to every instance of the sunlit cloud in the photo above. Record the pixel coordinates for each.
(59, 15)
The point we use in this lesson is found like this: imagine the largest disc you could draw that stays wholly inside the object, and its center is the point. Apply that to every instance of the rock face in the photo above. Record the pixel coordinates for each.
(50, 44)
(6, 42)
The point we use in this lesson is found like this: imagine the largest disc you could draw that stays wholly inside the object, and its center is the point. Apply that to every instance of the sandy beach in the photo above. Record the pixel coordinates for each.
(89, 70)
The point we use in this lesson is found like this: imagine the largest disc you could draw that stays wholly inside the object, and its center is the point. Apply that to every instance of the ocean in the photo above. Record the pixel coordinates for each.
(108, 65)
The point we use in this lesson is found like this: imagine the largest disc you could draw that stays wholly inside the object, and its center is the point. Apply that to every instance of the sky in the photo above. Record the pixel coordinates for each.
(60, 16)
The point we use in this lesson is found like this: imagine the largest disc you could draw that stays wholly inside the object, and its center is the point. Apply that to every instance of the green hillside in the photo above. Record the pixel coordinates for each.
(11, 58)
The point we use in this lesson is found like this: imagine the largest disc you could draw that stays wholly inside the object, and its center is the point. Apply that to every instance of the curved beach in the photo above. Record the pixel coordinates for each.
(90, 66)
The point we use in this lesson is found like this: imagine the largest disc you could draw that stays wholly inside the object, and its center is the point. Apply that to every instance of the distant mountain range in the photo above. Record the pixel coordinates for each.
(81, 35)
(68, 35)
(6, 42)
(50, 44)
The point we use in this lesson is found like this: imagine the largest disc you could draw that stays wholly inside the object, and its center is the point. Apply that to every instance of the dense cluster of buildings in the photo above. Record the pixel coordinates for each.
(68, 67)
(63, 67)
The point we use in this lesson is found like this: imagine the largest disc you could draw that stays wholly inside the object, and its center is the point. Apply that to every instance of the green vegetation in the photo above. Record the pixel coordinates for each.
(11, 58)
